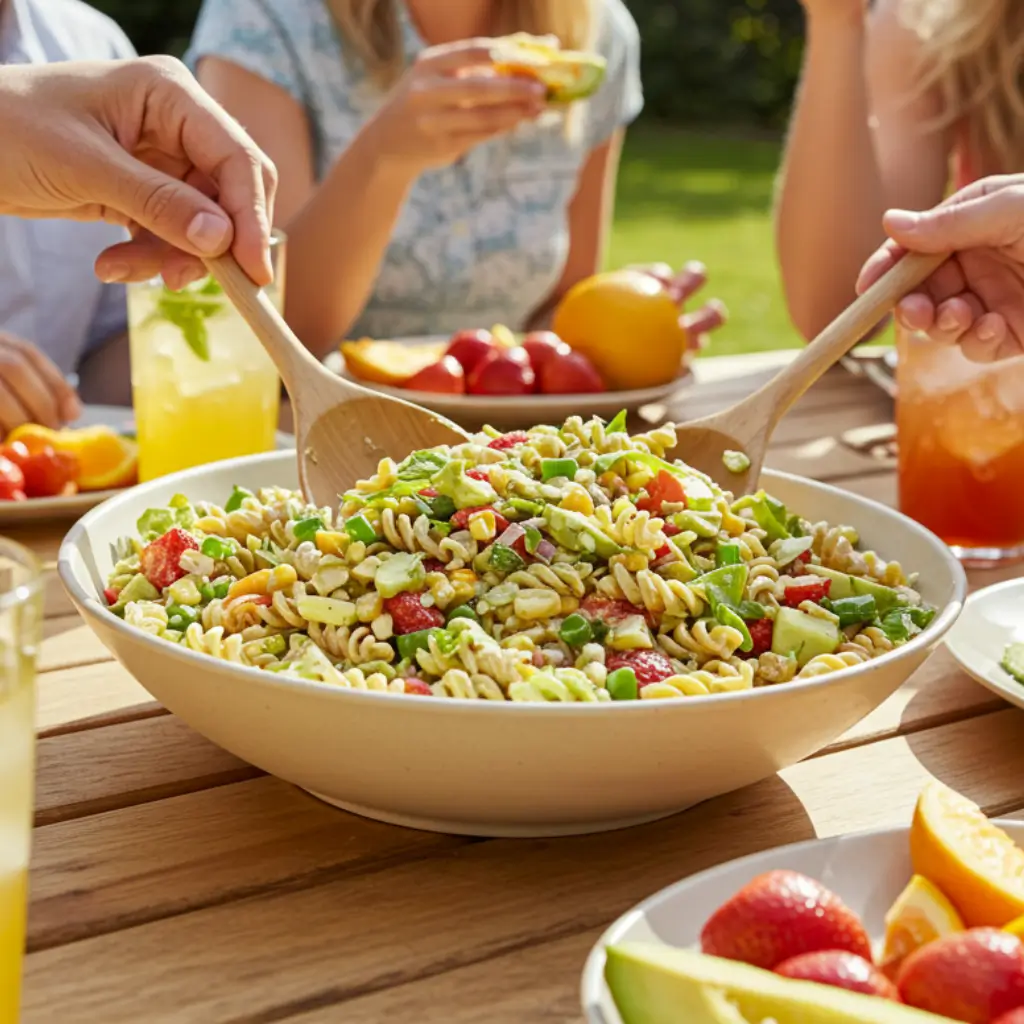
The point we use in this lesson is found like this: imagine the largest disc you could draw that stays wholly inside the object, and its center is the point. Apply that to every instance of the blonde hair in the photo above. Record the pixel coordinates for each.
(372, 29)
(973, 56)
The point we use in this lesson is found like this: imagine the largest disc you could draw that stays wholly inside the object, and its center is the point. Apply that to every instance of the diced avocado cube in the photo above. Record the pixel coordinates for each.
(138, 588)
(803, 636)
(400, 572)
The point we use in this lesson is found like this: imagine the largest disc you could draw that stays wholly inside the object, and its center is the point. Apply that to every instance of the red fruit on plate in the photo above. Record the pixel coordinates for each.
(505, 372)
(780, 915)
(471, 348)
(159, 559)
(569, 373)
(840, 970)
(540, 346)
(647, 666)
(445, 377)
(973, 976)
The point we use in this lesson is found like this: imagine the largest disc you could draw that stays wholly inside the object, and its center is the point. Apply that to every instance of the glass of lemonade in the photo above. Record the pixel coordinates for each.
(20, 622)
(961, 449)
(203, 386)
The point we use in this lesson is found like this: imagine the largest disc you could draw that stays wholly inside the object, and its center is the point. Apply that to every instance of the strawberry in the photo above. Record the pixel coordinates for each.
(761, 632)
(780, 915)
(417, 686)
(974, 976)
(647, 666)
(408, 615)
(159, 559)
(461, 518)
(841, 970)
(506, 441)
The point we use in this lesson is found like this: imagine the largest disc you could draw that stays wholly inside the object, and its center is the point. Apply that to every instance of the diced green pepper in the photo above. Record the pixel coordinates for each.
(409, 643)
(504, 559)
(532, 539)
(851, 610)
(576, 630)
(728, 553)
(551, 468)
(622, 684)
(180, 617)
(238, 495)
(359, 528)
(307, 529)
(462, 612)
(217, 548)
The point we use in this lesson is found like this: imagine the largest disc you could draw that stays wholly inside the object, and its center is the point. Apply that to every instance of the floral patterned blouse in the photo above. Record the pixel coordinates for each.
(483, 241)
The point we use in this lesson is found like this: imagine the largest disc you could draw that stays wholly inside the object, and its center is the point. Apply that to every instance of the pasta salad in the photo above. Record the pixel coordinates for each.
(564, 564)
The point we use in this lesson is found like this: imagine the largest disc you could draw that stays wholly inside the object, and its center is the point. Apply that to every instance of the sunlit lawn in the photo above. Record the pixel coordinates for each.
(684, 196)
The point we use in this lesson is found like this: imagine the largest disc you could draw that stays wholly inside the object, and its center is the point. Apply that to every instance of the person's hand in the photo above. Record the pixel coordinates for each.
(137, 143)
(32, 389)
(852, 11)
(449, 101)
(681, 286)
(976, 298)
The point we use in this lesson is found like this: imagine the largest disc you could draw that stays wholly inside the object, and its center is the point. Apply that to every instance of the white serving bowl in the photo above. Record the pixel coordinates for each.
(481, 768)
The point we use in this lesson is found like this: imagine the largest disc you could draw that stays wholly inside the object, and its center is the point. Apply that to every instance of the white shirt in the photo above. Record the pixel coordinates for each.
(49, 293)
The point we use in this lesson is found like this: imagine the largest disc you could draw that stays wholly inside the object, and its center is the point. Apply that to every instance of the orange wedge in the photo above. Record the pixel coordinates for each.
(34, 436)
(1016, 927)
(388, 362)
(921, 914)
(105, 458)
(976, 864)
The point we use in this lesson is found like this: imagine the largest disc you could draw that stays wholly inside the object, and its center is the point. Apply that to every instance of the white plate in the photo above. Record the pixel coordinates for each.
(72, 506)
(991, 619)
(507, 411)
(867, 871)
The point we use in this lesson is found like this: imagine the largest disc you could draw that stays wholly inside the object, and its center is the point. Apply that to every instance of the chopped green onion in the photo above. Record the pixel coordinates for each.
(360, 528)
(504, 559)
(862, 608)
(728, 553)
(576, 631)
(217, 548)
(238, 495)
(462, 612)
(551, 468)
(622, 684)
(307, 529)
(410, 643)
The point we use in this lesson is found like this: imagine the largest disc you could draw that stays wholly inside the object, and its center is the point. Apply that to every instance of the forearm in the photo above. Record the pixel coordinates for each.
(337, 240)
(831, 197)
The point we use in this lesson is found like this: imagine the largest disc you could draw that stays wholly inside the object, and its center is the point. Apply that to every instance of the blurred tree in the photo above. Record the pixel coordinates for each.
(704, 61)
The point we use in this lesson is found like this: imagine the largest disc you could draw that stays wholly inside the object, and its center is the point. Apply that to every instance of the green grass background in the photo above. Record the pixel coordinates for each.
(684, 196)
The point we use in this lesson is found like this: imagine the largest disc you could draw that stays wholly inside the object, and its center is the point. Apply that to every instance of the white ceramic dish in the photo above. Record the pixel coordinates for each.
(481, 768)
(505, 412)
(868, 871)
(992, 618)
(75, 505)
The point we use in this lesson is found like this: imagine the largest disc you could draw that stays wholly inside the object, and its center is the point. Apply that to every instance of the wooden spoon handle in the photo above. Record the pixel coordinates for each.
(846, 330)
(293, 360)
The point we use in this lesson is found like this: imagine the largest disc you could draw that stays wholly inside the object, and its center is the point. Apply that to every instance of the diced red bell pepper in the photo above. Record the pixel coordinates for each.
(665, 487)
(809, 588)
(500, 444)
(110, 595)
(461, 518)
(408, 615)
(761, 632)
(428, 492)
(478, 474)
(417, 686)
(159, 559)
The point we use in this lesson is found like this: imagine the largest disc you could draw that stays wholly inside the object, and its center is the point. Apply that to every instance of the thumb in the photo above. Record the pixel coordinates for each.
(169, 208)
(989, 220)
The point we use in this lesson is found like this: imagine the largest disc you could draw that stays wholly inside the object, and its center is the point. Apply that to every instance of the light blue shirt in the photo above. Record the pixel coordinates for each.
(483, 241)
(49, 294)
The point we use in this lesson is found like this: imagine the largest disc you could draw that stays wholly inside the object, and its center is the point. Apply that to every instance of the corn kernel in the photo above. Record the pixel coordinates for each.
(254, 583)
(281, 578)
(482, 526)
(330, 542)
(464, 576)
(369, 606)
(578, 500)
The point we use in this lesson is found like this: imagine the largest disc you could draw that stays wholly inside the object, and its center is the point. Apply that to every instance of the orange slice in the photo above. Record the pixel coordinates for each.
(105, 458)
(1016, 927)
(33, 436)
(388, 362)
(976, 864)
(921, 914)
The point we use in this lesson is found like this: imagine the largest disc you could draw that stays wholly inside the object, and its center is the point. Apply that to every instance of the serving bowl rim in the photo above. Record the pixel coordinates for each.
(92, 609)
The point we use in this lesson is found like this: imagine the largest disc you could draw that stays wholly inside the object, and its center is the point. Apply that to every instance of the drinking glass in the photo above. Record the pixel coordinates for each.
(203, 386)
(960, 429)
(20, 621)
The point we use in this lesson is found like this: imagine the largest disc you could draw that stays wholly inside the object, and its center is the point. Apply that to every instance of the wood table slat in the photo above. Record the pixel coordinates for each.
(86, 696)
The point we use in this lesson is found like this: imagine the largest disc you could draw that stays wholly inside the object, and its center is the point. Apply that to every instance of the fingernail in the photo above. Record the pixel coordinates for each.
(986, 331)
(948, 321)
(71, 408)
(113, 273)
(209, 233)
(902, 220)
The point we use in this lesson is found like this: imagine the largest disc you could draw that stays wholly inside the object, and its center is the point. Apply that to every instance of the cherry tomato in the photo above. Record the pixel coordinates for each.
(17, 451)
(49, 473)
(12, 481)
(665, 487)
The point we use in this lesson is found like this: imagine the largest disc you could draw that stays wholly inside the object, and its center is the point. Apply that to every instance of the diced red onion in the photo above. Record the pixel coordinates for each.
(545, 551)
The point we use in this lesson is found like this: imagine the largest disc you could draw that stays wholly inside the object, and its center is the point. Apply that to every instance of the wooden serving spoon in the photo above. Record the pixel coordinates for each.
(342, 430)
(747, 426)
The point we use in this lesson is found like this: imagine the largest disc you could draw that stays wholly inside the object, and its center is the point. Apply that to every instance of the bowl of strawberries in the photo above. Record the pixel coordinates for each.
(902, 926)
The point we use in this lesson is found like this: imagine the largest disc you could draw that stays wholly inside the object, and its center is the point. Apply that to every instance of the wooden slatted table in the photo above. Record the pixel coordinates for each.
(171, 882)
